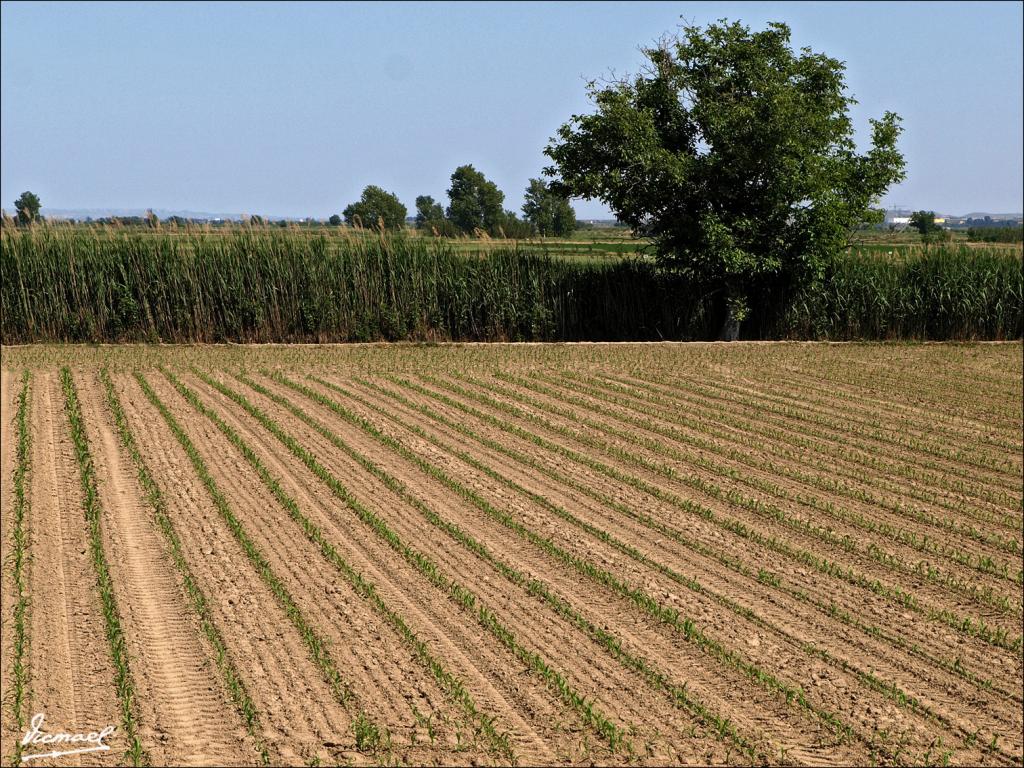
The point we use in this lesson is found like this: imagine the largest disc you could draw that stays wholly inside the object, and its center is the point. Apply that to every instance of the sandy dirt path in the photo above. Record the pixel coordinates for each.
(72, 675)
(300, 717)
(186, 716)
(10, 386)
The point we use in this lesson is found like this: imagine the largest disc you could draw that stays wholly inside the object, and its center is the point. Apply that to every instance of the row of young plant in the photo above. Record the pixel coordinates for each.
(467, 600)
(72, 284)
(571, 480)
(920, 452)
(794, 419)
(499, 742)
(971, 626)
(20, 684)
(767, 680)
(944, 395)
(638, 597)
(998, 464)
(868, 679)
(882, 412)
(765, 510)
(369, 737)
(229, 672)
(836, 460)
(833, 473)
(922, 543)
(124, 683)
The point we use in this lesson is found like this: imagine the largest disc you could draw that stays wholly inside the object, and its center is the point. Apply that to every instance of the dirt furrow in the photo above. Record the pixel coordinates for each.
(933, 391)
(872, 608)
(774, 489)
(474, 656)
(801, 622)
(185, 717)
(913, 451)
(893, 463)
(560, 643)
(923, 422)
(384, 675)
(744, 509)
(72, 674)
(300, 717)
(719, 685)
(10, 386)
(823, 463)
(778, 652)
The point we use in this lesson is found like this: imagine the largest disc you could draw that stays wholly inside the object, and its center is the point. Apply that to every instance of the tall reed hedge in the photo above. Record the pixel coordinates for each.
(263, 285)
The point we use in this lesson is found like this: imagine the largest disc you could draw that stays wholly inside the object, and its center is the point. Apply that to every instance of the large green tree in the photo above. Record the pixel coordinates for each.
(474, 202)
(735, 154)
(27, 206)
(428, 212)
(550, 212)
(376, 206)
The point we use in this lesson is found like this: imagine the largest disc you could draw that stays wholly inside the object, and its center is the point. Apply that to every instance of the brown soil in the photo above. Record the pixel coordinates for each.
(904, 685)
(72, 674)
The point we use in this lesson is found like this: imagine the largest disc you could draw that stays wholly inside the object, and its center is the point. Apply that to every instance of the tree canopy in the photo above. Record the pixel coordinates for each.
(376, 206)
(474, 202)
(924, 223)
(549, 212)
(27, 206)
(735, 155)
(428, 213)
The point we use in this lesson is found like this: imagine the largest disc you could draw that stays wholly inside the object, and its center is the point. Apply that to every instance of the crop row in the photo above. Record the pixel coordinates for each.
(450, 683)
(123, 682)
(20, 682)
(836, 459)
(461, 595)
(923, 543)
(868, 440)
(896, 694)
(229, 671)
(975, 626)
(667, 616)
(570, 480)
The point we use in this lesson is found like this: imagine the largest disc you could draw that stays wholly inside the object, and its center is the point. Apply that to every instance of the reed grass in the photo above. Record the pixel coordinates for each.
(257, 284)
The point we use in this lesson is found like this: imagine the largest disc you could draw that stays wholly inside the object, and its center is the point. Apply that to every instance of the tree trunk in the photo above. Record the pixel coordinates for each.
(731, 326)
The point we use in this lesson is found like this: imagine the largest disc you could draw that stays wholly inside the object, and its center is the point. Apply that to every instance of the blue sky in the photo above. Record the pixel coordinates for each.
(291, 109)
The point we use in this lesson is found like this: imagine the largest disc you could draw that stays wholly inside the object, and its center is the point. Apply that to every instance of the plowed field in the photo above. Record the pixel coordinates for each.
(566, 554)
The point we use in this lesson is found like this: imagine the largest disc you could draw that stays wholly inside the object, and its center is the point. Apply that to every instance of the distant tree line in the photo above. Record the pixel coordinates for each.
(475, 207)
(1001, 233)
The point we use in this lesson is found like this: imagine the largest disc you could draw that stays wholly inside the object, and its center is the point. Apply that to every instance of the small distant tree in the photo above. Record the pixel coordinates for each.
(28, 207)
(924, 223)
(428, 213)
(335, 220)
(152, 220)
(549, 212)
(474, 202)
(374, 206)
